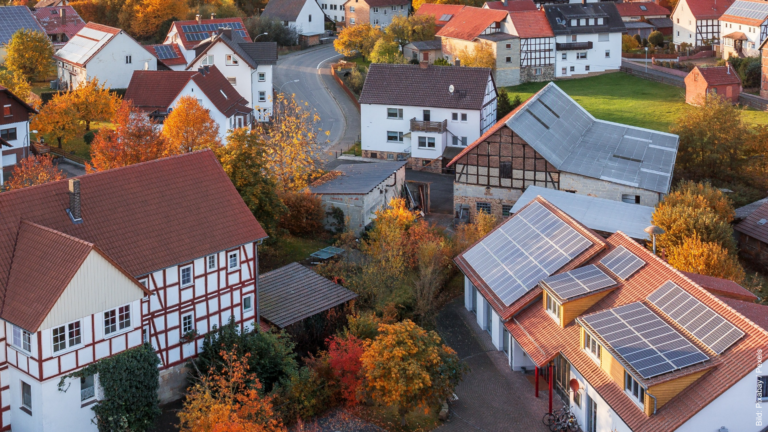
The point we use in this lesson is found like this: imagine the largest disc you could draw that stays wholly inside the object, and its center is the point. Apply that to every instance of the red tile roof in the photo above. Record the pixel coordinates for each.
(50, 19)
(385, 3)
(103, 28)
(178, 60)
(145, 217)
(471, 22)
(438, 11)
(531, 24)
(634, 9)
(512, 5)
(756, 224)
(721, 287)
(190, 44)
(742, 20)
(715, 76)
(707, 9)
(755, 312)
(221, 93)
(542, 339)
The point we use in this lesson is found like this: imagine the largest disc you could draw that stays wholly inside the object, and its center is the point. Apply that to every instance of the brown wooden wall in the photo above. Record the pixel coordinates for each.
(19, 112)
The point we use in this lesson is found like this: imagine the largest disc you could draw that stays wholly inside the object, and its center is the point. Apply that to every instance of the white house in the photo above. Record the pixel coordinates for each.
(304, 16)
(14, 131)
(333, 9)
(695, 22)
(743, 27)
(246, 65)
(378, 13)
(418, 112)
(107, 287)
(106, 53)
(156, 93)
(189, 34)
(587, 37)
(627, 341)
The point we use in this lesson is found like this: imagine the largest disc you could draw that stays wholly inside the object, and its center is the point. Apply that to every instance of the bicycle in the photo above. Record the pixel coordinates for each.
(568, 423)
(555, 417)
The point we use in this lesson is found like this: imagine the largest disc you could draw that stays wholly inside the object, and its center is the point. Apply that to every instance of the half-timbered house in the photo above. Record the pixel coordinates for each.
(95, 265)
(744, 26)
(14, 131)
(537, 45)
(696, 22)
(550, 141)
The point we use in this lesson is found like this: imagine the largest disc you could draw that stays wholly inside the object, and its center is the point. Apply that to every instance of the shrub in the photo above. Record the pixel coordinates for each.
(305, 215)
(644, 43)
(442, 62)
(363, 326)
(656, 38)
(706, 258)
(302, 395)
(638, 39)
(89, 137)
(344, 360)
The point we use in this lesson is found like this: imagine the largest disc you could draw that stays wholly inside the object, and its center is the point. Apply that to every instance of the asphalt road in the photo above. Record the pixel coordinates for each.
(316, 86)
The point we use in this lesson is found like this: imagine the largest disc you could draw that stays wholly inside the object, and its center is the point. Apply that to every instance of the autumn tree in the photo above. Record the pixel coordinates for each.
(344, 357)
(229, 398)
(404, 30)
(16, 83)
(305, 216)
(355, 39)
(293, 143)
(386, 50)
(147, 15)
(481, 56)
(431, 274)
(30, 54)
(706, 258)
(93, 102)
(32, 171)
(135, 139)
(189, 127)
(469, 233)
(57, 119)
(244, 161)
(407, 367)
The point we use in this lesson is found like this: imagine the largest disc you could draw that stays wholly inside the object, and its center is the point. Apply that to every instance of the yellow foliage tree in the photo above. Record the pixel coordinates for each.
(386, 50)
(93, 102)
(34, 171)
(292, 143)
(407, 367)
(57, 119)
(30, 54)
(701, 195)
(357, 39)
(189, 127)
(404, 30)
(469, 233)
(481, 56)
(706, 258)
(149, 14)
(16, 83)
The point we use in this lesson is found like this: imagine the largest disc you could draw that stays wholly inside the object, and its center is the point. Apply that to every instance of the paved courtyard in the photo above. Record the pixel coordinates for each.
(492, 398)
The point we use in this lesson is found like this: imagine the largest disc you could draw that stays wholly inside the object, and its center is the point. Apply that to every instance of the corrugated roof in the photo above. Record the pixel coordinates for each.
(512, 5)
(357, 178)
(560, 15)
(86, 43)
(595, 213)
(411, 85)
(471, 22)
(15, 18)
(756, 224)
(292, 293)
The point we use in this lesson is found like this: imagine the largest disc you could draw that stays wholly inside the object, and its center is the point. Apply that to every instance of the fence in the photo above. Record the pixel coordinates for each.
(753, 101)
(652, 75)
(344, 87)
(63, 153)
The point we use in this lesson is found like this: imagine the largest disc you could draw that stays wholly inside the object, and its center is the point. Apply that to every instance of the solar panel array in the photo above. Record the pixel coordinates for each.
(651, 346)
(748, 9)
(698, 319)
(578, 282)
(197, 36)
(196, 28)
(622, 262)
(165, 52)
(14, 18)
(526, 249)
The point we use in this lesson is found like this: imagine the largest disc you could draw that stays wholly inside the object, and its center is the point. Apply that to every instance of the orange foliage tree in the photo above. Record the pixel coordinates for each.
(189, 127)
(149, 14)
(344, 355)
(93, 102)
(34, 171)
(706, 258)
(135, 139)
(407, 367)
(305, 214)
(223, 401)
(57, 119)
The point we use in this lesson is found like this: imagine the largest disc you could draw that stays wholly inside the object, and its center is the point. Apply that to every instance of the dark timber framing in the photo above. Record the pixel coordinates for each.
(707, 32)
(537, 52)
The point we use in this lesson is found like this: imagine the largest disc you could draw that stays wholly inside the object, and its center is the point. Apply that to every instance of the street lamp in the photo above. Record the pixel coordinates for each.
(280, 90)
(654, 231)
(646, 59)
(265, 33)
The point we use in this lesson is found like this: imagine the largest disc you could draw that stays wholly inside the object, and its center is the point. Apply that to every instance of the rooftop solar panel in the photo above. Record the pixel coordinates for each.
(622, 262)
(196, 28)
(15, 18)
(699, 320)
(527, 248)
(165, 52)
(578, 282)
(651, 346)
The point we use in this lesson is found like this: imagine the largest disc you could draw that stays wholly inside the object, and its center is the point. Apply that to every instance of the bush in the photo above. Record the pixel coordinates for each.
(638, 39)
(413, 61)
(356, 79)
(276, 32)
(89, 137)
(656, 38)
(302, 395)
(305, 215)
(644, 43)
(442, 62)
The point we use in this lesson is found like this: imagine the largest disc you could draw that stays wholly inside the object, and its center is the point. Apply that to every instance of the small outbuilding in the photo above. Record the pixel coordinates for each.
(359, 190)
(752, 234)
(721, 80)
(427, 51)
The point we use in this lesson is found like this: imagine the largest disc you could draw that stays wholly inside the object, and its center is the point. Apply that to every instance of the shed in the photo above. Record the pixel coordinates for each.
(664, 25)
(294, 293)
(753, 235)
(642, 28)
(713, 80)
(428, 51)
(359, 190)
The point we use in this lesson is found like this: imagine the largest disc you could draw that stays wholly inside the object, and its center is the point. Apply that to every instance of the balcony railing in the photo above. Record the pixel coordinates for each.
(573, 46)
(428, 126)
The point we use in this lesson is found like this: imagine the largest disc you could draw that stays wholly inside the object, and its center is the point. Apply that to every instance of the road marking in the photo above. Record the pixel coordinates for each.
(319, 64)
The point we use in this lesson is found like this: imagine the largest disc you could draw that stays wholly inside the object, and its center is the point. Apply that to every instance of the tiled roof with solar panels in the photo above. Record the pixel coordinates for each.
(192, 32)
(15, 18)
(654, 321)
(168, 54)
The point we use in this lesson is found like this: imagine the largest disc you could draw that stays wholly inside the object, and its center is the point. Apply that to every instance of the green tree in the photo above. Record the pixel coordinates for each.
(30, 54)
(505, 106)
(386, 50)
(656, 38)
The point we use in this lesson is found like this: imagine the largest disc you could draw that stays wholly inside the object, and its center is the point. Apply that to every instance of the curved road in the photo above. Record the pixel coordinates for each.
(317, 87)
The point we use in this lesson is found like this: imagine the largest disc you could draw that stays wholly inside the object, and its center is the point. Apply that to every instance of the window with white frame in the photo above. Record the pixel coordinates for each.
(395, 113)
(591, 346)
(233, 260)
(87, 388)
(262, 76)
(463, 117)
(591, 21)
(187, 323)
(537, 71)
(426, 142)
(262, 96)
(116, 320)
(394, 136)
(231, 60)
(186, 276)
(232, 81)
(26, 396)
(66, 336)
(582, 21)
(581, 56)
(375, 10)
(211, 262)
(603, 37)
(352, 20)
(207, 60)
(553, 307)
(21, 339)
(633, 389)
(600, 21)
(352, 9)
(565, 56)
(574, 23)
(247, 303)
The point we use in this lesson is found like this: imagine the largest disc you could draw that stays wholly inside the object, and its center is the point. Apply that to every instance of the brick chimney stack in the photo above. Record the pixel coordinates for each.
(226, 32)
(74, 199)
(199, 17)
(63, 14)
(423, 64)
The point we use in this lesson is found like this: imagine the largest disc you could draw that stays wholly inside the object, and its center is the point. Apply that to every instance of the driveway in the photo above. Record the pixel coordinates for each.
(492, 398)
(317, 87)
(441, 189)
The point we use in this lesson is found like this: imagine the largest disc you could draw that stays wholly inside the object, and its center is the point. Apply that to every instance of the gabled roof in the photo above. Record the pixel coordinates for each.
(434, 44)
(17, 99)
(572, 140)
(356, 178)
(743, 212)
(15, 18)
(560, 16)
(512, 5)
(746, 12)
(253, 53)
(442, 12)
(168, 54)
(145, 217)
(531, 24)
(50, 19)
(715, 76)
(471, 22)
(641, 9)
(707, 9)
(292, 293)
(412, 85)
(721, 287)
(192, 32)
(284, 10)
(49, 3)
(756, 224)
(82, 47)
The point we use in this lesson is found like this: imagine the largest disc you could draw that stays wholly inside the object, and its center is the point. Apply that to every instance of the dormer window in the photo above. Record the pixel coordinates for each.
(634, 390)
(553, 307)
(600, 21)
(574, 23)
(591, 346)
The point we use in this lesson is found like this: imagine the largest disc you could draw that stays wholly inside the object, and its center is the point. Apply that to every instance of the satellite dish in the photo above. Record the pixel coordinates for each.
(451, 88)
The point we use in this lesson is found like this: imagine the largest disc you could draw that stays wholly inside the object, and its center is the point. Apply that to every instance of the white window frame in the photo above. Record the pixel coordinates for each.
(207, 60)
(262, 76)
(375, 10)
(232, 82)
(191, 316)
(592, 347)
(212, 259)
(231, 60)
(23, 402)
(262, 96)
(236, 254)
(68, 339)
(191, 276)
(19, 337)
(554, 309)
(93, 395)
(250, 298)
(399, 136)
(399, 115)
(634, 390)
(118, 311)
(352, 20)
(565, 56)
(429, 143)
(581, 55)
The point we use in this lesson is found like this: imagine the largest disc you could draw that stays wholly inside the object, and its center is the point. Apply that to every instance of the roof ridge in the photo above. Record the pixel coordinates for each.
(57, 232)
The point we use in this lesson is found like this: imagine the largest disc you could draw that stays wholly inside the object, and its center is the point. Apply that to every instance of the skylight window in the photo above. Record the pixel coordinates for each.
(643, 8)
(446, 17)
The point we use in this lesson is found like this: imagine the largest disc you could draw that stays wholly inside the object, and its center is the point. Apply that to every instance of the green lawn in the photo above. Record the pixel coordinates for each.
(626, 99)
(77, 145)
(288, 249)
(360, 60)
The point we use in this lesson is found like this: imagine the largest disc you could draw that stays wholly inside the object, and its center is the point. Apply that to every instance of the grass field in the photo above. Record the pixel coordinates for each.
(623, 98)
(77, 145)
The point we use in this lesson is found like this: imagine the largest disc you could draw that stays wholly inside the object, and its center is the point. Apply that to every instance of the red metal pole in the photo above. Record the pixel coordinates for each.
(550, 388)
(537, 382)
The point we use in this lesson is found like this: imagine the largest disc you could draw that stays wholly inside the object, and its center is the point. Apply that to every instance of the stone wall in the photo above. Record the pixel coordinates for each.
(757, 102)
(470, 195)
(527, 74)
(604, 189)
(173, 383)
(507, 73)
(416, 164)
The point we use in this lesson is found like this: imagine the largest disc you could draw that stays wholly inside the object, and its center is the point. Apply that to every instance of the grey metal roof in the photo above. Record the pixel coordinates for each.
(595, 213)
(572, 140)
(638, 25)
(292, 293)
(358, 178)
(15, 18)
(497, 37)
(434, 44)
(559, 15)
(748, 9)
(660, 22)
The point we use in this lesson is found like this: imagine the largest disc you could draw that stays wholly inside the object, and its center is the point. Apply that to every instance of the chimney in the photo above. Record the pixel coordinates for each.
(423, 64)
(198, 18)
(728, 68)
(213, 15)
(457, 62)
(63, 14)
(74, 200)
(226, 32)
